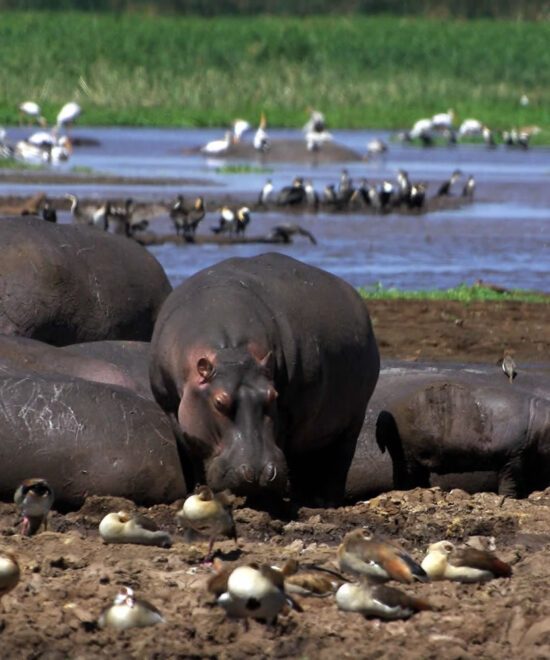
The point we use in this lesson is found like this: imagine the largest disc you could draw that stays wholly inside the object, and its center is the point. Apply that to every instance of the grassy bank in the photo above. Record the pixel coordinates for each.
(462, 293)
(186, 71)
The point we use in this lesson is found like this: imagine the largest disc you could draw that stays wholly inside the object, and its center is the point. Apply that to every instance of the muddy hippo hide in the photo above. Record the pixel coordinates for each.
(64, 284)
(456, 426)
(268, 365)
(85, 438)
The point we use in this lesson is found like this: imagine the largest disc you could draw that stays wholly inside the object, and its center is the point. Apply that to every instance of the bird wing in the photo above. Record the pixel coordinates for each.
(146, 523)
(480, 559)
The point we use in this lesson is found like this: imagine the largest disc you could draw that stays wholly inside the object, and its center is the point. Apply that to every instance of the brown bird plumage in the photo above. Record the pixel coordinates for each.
(446, 562)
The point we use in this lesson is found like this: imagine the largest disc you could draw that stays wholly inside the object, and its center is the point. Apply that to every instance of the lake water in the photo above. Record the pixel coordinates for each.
(502, 237)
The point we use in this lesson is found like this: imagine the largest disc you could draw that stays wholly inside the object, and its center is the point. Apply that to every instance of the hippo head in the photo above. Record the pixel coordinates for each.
(228, 413)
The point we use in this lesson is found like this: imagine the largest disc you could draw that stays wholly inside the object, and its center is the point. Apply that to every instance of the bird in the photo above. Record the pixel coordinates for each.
(34, 498)
(311, 581)
(293, 195)
(242, 217)
(469, 187)
(32, 110)
(123, 527)
(345, 187)
(79, 215)
(377, 559)
(194, 216)
(122, 216)
(445, 187)
(261, 139)
(127, 611)
(240, 127)
(378, 601)
(316, 139)
(216, 147)
(100, 217)
(68, 114)
(257, 592)
(417, 196)
(9, 572)
(48, 211)
(316, 122)
(386, 193)
(209, 514)
(470, 127)
(376, 147)
(226, 223)
(285, 231)
(508, 367)
(444, 561)
(178, 214)
(443, 120)
(265, 193)
(422, 130)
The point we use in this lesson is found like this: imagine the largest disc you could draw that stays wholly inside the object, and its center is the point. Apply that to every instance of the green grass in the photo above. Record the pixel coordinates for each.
(242, 169)
(188, 71)
(12, 164)
(462, 293)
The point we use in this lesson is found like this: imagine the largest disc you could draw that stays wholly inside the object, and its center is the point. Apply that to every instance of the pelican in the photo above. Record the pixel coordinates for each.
(316, 139)
(215, 147)
(443, 120)
(32, 110)
(261, 139)
(470, 127)
(420, 128)
(316, 122)
(68, 114)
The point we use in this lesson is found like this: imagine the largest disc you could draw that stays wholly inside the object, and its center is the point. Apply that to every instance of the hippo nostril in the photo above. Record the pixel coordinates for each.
(247, 472)
(270, 472)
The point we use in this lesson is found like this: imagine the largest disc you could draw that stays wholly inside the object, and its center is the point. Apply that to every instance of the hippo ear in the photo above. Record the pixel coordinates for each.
(205, 368)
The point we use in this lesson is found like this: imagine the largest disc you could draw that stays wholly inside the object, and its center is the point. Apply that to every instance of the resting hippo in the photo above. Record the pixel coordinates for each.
(268, 365)
(64, 284)
(85, 438)
(456, 426)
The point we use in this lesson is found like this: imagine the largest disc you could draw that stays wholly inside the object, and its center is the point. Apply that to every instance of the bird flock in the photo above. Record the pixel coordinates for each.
(356, 579)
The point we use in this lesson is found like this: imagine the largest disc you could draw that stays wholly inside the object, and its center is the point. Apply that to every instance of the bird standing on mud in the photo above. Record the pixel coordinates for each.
(265, 193)
(444, 561)
(445, 187)
(209, 514)
(469, 187)
(127, 611)
(34, 497)
(261, 139)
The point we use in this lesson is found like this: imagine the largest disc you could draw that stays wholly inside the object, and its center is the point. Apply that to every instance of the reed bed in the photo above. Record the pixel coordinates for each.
(188, 71)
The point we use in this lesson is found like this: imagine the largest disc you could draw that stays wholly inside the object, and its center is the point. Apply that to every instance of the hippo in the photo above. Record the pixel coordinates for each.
(453, 426)
(85, 438)
(64, 284)
(267, 364)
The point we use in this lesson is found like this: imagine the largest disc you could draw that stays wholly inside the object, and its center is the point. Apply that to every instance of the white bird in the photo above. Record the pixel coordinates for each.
(315, 139)
(218, 146)
(376, 147)
(240, 126)
(127, 611)
(470, 127)
(443, 120)
(420, 128)
(32, 110)
(261, 139)
(68, 114)
(316, 122)
(42, 139)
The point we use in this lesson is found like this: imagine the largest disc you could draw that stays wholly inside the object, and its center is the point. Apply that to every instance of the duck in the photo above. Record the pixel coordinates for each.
(10, 572)
(209, 514)
(444, 561)
(123, 527)
(34, 498)
(445, 188)
(261, 139)
(379, 601)
(313, 581)
(127, 611)
(216, 147)
(265, 193)
(257, 592)
(68, 114)
(377, 559)
(31, 110)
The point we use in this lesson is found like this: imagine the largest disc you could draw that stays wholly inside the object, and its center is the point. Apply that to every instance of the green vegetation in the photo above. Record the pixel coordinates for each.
(12, 164)
(462, 293)
(189, 71)
(242, 169)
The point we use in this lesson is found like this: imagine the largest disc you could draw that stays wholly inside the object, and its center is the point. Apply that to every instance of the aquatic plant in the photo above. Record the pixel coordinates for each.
(462, 293)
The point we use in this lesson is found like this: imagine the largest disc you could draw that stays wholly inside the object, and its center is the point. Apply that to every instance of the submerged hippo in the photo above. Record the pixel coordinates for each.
(268, 365)
(455, 426)
(64, 284)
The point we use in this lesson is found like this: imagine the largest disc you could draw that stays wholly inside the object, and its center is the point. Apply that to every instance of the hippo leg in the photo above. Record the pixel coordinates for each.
(319, 478)
(510, 478)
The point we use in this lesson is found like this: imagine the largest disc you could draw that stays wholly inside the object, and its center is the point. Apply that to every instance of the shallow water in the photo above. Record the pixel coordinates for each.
(503, 237)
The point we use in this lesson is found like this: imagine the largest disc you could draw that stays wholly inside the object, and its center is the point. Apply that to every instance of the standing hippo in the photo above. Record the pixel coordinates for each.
(454, 426)
(268, 365)
(64, 284)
